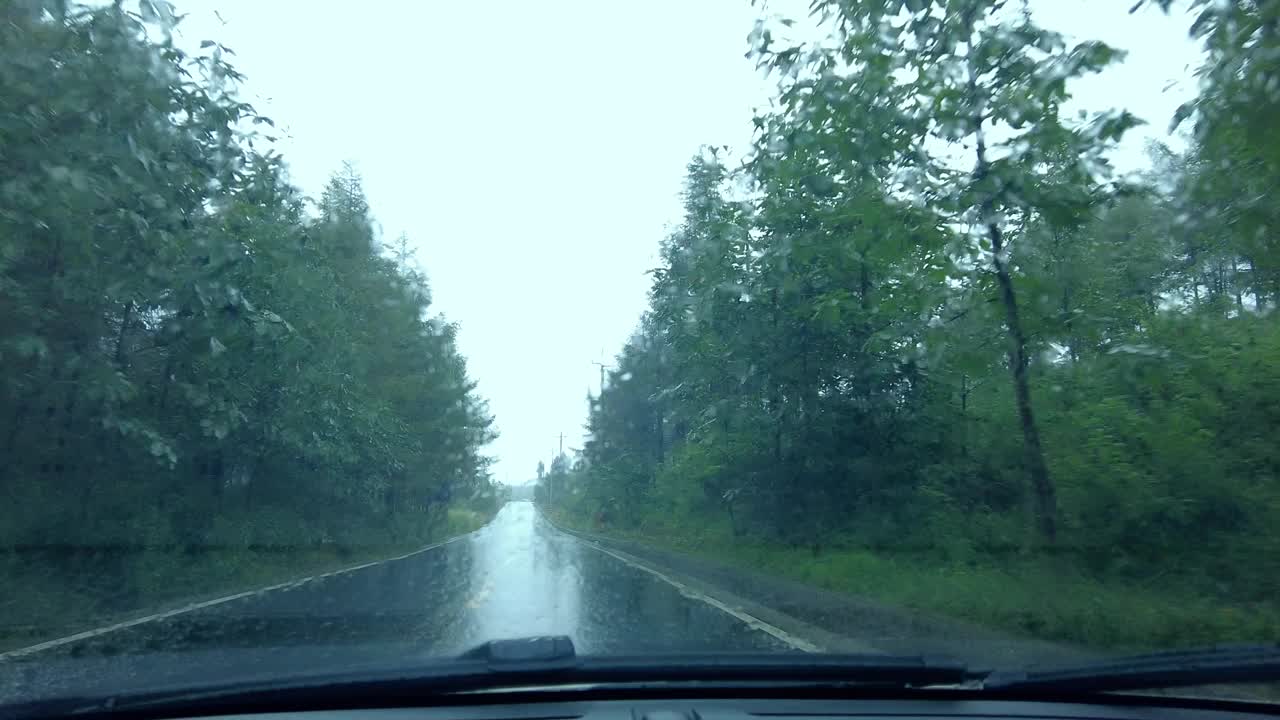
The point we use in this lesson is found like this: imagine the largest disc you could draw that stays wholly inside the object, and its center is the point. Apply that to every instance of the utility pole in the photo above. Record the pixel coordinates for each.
(551, 475)
(602, 369)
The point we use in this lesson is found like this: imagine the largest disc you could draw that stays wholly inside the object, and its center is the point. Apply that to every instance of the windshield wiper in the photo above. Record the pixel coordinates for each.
(1186, 668)
(512, 664)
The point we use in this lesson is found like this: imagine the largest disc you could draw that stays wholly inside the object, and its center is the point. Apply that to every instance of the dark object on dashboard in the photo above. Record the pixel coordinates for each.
(543, 652)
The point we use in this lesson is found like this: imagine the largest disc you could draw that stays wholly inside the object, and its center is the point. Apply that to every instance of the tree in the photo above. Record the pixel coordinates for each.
(962, 73)
(195, 365)
(923, 305)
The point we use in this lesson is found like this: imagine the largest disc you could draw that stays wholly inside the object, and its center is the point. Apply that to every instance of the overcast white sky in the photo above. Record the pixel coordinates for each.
(534, 152)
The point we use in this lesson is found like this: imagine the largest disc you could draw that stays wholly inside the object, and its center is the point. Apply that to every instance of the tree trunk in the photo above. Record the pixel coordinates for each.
(662, 440)
(1043, 490)
(1046, 502)
(1235, 280)
(864, 283)
(1073, 347)
(659, 410)
(164, 380)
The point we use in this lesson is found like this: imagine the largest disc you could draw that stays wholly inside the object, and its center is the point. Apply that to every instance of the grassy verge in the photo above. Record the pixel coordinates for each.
(1045, 598)
(460, 521)
(43, 604)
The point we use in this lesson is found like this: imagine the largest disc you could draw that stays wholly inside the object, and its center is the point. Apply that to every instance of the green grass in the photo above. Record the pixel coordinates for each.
(1039, 597)
(461, 521)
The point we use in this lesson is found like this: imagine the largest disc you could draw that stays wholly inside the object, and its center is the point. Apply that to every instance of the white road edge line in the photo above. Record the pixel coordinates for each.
(50, 644)
(750, 620)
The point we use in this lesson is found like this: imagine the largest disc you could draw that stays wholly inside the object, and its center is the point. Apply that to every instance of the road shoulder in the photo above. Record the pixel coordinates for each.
(835, 622)
(176, 608)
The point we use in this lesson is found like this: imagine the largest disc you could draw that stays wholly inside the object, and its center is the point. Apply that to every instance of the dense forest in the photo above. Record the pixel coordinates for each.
(924, 320)
(205, 373)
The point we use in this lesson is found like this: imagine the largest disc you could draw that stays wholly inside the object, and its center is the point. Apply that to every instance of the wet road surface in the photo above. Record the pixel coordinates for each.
(516, 577)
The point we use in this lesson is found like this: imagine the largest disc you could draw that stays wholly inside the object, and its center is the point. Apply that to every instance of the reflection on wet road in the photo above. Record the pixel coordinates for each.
(527, 578)
(516, 577)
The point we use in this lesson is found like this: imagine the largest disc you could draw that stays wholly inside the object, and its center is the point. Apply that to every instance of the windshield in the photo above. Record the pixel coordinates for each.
(338, 335)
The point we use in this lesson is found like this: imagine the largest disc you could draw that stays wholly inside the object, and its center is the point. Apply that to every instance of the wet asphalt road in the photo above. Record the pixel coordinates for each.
(516, 577)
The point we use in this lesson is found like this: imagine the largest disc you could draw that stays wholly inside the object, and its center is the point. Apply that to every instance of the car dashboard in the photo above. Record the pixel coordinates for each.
(727, 708)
